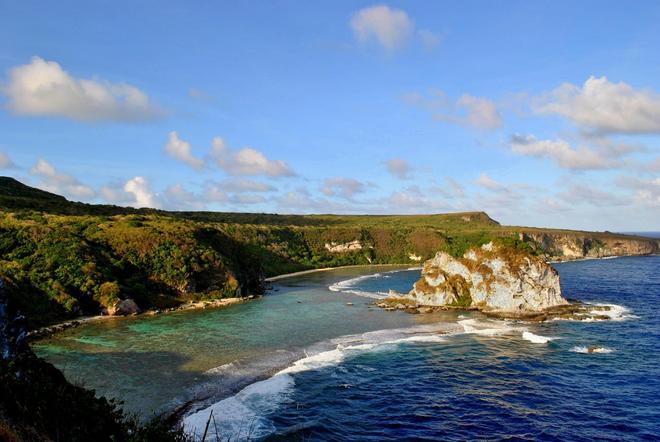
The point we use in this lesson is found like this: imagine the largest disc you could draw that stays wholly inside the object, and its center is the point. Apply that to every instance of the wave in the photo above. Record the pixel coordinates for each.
(486, 328)
(536, 339)
(615, 313)
(243, 415)
(347, 286)
(579, 349)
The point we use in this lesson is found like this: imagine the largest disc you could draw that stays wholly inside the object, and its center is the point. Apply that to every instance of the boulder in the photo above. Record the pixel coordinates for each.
(123, 307)
(490, 278)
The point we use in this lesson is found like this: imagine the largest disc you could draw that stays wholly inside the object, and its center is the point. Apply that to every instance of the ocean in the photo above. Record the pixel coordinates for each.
(315, 360)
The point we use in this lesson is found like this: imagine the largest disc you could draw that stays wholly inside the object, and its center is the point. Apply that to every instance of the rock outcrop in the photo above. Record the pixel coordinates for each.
(350, 246)
(489, 278)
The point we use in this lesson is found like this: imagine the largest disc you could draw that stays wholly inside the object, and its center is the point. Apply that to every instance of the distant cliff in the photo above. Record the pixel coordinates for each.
(566, 245)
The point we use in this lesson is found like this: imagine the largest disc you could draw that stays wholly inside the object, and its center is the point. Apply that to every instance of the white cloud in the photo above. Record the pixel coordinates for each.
(647, 191)
(342, 187)
(243, 186)
(178, 198)
(5, 161)
(59, 183)
(467, 110)
(246, 161)
(141, 192)
(604, 107)
(247, 198)
(43, 88)
(481, 113)
(182, 151)
(585, 194)
(398, 168)
(563, 154)
(450, 189)
(389, 27)
(487, 182)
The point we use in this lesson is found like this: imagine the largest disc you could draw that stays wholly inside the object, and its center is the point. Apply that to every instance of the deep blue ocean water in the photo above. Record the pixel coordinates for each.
(475, 387)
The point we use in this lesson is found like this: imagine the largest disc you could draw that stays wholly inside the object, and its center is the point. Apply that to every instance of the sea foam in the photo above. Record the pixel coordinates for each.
(536, 339)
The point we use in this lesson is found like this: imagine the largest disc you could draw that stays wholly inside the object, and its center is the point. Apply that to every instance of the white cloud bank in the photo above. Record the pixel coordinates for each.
(43, 88)
(604, 107)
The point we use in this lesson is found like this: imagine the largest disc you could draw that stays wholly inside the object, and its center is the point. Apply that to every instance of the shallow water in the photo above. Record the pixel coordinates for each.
(360, 373)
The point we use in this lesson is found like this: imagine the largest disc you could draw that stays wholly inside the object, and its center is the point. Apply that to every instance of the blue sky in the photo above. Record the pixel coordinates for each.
(540, 113)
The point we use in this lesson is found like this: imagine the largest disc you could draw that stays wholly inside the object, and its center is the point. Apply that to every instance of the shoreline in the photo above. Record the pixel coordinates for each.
(325, 269)
(49, 330)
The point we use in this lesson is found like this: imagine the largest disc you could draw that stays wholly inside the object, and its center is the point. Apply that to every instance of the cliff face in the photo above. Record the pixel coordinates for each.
(490, 278)
(567, 246)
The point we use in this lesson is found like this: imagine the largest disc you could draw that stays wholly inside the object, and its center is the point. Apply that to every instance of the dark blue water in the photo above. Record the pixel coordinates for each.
(474, 387)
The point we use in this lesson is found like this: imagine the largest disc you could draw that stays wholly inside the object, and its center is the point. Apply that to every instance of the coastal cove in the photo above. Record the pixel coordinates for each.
(304, 327)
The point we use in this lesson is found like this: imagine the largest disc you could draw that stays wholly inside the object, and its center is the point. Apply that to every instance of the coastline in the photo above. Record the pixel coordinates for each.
(325, 269)
(49, 330)
(226, 302)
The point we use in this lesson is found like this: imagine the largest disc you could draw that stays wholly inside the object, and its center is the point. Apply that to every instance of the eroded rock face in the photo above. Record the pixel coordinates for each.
(491, 278)
(124, 307)
(567, 246)
(334, 247)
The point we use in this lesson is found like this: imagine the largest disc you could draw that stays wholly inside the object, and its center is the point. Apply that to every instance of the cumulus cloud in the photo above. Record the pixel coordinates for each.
(467, 110)
(141, 193)
(342, 187)
(398, 168)
(562, 153)
(604, 107)
(60, 183)
(43, 88)
(246, 161)
(182, 151)
(5, 161)
(388, 27)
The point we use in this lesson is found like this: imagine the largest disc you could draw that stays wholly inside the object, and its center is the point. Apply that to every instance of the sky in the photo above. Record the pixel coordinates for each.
(543, 113)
